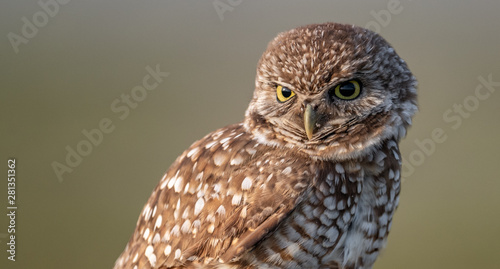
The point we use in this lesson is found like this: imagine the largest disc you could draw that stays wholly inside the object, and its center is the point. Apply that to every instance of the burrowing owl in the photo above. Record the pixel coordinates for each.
(309, 179)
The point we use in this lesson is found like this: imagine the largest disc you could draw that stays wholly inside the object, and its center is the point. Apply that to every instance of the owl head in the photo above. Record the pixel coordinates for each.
(331, 91)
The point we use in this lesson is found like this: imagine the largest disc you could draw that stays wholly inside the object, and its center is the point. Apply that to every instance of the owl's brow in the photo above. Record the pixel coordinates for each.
(338, 80)
(274, 84)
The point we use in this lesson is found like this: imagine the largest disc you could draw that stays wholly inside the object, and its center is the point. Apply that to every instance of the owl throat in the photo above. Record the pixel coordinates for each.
(354, 140)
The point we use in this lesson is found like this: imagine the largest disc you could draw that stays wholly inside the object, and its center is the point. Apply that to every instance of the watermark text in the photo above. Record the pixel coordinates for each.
(122, 108)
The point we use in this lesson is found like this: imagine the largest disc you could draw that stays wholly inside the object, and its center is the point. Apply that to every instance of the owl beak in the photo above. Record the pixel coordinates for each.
(310, 118)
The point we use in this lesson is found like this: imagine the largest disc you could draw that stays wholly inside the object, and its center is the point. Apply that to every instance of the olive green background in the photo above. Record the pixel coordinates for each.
(64, 80)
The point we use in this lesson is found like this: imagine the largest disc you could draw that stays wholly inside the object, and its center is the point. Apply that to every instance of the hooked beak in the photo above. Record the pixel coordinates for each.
(310, 118)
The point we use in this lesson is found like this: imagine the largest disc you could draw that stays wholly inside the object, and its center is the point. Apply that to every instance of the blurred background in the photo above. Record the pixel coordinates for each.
(67, 68)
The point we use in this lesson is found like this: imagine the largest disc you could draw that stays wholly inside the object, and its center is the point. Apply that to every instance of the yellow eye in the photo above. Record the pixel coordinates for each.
(348, 90)
(283, 94)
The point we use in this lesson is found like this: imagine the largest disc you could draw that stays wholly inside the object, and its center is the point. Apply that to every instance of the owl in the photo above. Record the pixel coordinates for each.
(309, 179)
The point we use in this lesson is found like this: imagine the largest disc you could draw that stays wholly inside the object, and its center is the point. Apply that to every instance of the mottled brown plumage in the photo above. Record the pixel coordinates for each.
(310, 179)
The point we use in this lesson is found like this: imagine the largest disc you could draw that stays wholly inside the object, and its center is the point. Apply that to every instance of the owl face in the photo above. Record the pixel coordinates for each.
(333, 91)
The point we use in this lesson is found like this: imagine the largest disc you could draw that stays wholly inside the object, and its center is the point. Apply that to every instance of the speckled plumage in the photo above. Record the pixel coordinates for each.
(264, 194)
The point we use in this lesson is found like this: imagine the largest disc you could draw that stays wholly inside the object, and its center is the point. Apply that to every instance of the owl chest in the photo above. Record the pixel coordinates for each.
(309, 237)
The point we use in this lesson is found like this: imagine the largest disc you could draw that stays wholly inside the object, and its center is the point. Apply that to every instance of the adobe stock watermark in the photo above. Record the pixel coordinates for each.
(121, 108)
(39, 19)
(383, 17)
(454, 116)
(223, 6)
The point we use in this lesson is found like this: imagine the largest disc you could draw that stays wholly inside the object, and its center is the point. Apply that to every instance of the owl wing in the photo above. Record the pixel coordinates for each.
(220, 197)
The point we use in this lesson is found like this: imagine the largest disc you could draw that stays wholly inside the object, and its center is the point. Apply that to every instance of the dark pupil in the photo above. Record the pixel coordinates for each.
(347, 89)
(286, 92)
